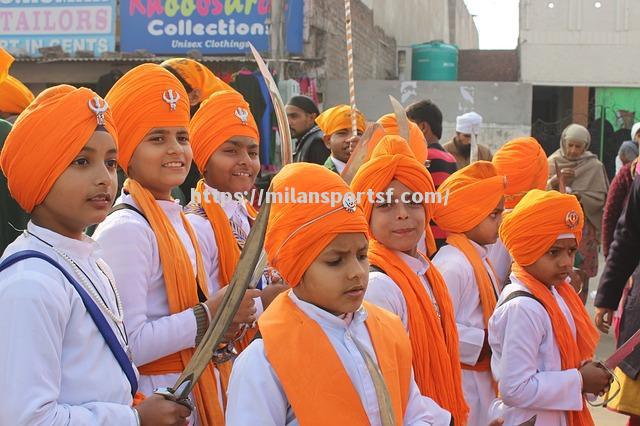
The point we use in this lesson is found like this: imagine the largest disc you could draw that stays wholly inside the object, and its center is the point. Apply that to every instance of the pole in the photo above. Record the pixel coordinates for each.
(352, 83)
(602, 118)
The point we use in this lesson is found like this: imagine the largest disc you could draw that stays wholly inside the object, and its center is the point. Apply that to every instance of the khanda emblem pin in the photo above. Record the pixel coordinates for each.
(99, 106)
(242, 114)
(349, 203)
(572, 219)
(171, 97)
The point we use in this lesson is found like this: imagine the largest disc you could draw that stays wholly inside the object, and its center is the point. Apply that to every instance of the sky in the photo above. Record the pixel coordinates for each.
(497, 22)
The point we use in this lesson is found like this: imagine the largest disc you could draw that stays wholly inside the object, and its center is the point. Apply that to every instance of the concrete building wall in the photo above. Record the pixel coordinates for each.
(505, 107)
(464, 33)
(576, 43)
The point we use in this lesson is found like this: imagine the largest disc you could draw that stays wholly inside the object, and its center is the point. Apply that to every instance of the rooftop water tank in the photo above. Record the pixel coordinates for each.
(436, 61)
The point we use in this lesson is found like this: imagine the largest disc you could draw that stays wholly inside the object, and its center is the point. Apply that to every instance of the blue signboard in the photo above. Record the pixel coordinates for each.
(209, 26)
(27, 25)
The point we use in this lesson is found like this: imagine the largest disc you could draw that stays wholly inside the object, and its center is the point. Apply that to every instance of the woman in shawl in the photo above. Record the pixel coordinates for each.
(582, 174)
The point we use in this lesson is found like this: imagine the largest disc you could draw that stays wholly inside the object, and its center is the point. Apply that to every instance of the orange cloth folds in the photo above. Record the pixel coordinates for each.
(197, 76)
(434, 341)
(416, 140)
(44, 140)
(323, 394)
(339, 118)
(298, 232)
(5, 63)
(142, 100)
(15, 97)
(524, 164)
(181, 286)
(222, 116)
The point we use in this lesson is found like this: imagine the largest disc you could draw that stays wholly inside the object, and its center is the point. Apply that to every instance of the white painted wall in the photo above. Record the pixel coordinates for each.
(576, 44)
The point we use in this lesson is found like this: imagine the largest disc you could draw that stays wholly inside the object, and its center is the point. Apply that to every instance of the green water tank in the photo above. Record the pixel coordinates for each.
(436, 61)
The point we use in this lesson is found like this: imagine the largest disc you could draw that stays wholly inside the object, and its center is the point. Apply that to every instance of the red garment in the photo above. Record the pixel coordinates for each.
(616, 200)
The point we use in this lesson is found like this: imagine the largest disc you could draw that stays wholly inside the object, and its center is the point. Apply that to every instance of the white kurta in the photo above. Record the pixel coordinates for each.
(465, 296)
(256, 397)
(56, 367)
(501, 260)
(526, 362)
(207, 239)
(130, 247)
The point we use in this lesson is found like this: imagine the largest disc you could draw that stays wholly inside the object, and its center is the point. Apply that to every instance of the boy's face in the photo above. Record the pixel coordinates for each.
(162, 160)
(486, 232)
(337, 280)
(83, 195)
(234, 166)
(339, 143)
(556, 264)
(398, 225)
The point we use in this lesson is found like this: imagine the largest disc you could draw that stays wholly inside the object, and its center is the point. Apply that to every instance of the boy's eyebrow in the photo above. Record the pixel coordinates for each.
(112, 151)
(87, 149)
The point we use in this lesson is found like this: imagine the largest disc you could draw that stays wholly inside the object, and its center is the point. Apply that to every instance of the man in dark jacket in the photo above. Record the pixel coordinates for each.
(309, 146)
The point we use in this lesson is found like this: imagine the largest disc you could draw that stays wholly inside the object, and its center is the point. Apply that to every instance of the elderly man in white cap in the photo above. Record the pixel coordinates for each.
(467, 129)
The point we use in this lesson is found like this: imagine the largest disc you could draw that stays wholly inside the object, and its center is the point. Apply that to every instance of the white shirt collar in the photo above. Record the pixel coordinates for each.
(77, 249)
(229, 205)
(419, 264)
(340, 165)
(327, 319)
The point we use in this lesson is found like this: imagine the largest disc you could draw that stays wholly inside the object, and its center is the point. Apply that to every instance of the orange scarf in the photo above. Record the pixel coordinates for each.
(228, 250)
(181, 287)
(313, 376)
(485, 287)
(436, 359)
(573, 351)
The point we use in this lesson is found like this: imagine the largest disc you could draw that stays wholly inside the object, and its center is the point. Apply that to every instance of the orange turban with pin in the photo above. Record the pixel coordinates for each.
(339, 118)
(196, 75)
(220, 117)
(531, 228)
(416, 140)
(46, 137)
(299, 231)
(524, 163)
(469, 196)
(14, 96)
(146, 97)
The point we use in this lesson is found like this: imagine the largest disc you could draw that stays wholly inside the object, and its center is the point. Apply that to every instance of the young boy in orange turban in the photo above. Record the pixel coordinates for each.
(335, 123)
(309, 367)
(523, 162)
(540, 333)
(65, 345)
(403, 280)
(150, 244)
(470, 214)
(224, 138)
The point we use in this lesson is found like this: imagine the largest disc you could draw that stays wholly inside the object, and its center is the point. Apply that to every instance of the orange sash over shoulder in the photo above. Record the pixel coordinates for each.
(322, 393)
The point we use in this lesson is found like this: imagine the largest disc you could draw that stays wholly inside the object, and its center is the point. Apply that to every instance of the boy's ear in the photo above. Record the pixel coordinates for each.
(327, 141)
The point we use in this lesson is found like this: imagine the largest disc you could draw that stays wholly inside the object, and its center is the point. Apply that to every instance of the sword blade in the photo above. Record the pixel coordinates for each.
(278, 105)
(530, 422)
(241, 280)
(359, 154)
(401, 118)
(623, 351)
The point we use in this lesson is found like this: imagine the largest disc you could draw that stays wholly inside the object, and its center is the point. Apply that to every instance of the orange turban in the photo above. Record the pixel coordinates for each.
(220, 117)
(339, 118)
(416, 139)
(392, 159)
(146, 97)
(44, 140)
(524, 163)
(531, 228)
(196, 75)
(5, 63)
(468, 196)
(298, 232)
(14, 96)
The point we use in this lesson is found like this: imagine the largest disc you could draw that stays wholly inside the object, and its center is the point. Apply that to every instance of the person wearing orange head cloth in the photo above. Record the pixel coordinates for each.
(393, 186)
(540, 334)
(67, 361)
(417, 142)
(5, 63)
(335, 123)
(224, 138)
(14, 98)
(320, 249)
(198, 80)
(523, 162)
(470, 213)
(149, 243)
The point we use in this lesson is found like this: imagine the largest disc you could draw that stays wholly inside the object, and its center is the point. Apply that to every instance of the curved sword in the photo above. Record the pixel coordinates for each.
(401, 118)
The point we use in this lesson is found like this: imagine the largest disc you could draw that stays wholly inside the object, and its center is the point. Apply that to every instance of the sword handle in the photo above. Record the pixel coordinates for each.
(170, 395)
